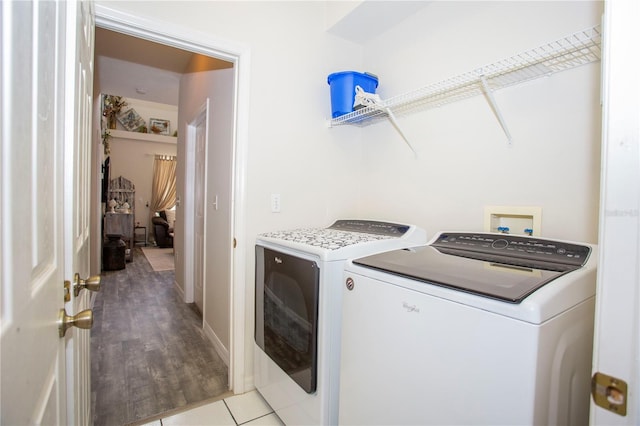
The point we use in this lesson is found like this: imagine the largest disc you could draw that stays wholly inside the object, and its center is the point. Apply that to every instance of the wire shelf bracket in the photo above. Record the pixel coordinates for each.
(494, 107)
(580, 48)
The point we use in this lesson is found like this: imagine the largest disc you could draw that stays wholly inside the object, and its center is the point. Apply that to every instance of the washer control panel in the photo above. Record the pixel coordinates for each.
(514, 246)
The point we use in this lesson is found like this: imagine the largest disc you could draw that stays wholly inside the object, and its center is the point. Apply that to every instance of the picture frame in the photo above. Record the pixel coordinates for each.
(159, 126)
(131, 120)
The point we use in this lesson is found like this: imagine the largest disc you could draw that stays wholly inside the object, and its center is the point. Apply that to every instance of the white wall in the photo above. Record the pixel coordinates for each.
(195, 89)
(464, 162)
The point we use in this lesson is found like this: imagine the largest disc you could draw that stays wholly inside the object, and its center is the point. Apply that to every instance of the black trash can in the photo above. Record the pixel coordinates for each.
(113, 253)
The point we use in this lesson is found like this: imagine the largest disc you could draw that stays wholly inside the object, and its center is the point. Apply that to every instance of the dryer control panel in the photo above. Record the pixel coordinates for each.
(371, 227)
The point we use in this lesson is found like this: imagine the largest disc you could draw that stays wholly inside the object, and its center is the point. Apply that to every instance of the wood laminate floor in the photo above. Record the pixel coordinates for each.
(149, 354)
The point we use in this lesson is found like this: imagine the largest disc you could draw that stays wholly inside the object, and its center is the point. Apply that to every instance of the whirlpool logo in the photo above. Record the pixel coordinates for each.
(410, 308)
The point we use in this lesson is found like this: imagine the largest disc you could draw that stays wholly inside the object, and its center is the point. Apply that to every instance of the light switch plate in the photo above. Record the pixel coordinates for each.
(275, 203)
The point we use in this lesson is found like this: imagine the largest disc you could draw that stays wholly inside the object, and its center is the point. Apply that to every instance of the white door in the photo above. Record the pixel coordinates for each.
(77, 201)
(199, 126)
(616, 392)
(36, 210)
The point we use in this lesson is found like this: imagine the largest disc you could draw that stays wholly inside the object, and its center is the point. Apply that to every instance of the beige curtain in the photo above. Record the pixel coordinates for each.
(163, 190)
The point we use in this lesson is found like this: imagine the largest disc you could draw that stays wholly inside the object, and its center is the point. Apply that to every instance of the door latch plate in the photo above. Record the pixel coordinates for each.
(609, 393)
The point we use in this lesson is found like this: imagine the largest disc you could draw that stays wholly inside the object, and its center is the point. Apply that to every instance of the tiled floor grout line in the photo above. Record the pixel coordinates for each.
(228, 408)
(230, 413)
(259, 417)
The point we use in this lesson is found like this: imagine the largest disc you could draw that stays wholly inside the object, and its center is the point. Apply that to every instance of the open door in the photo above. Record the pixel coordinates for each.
(77, 203)
(197, 131)
(44, 93)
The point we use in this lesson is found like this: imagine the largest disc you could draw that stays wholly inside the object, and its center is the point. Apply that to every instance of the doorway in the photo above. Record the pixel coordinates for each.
(183, 38)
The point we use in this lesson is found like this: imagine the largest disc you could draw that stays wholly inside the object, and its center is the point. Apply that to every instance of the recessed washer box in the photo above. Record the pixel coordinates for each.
(519, 220)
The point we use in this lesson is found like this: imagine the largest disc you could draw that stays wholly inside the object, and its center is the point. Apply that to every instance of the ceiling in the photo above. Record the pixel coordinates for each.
(152, 70)
(369, 19)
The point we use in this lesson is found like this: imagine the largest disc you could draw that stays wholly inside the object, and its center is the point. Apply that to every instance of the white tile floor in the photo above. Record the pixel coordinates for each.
(246, 409)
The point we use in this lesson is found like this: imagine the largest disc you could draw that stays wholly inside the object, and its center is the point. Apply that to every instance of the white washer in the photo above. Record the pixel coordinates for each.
(471, 329)
(298, 310)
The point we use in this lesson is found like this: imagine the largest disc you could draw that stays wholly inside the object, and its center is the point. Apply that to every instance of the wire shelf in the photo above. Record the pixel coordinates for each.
(580, 48)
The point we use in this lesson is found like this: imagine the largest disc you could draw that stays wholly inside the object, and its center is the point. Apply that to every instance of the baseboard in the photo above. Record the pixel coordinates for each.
(249, 384)
(180, 290)
(217, 344)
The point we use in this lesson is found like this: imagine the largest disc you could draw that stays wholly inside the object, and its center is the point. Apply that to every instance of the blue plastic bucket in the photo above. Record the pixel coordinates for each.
(343, 89)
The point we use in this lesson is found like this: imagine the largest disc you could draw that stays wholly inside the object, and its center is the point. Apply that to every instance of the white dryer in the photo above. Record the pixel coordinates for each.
(298, 309)
(472, 329)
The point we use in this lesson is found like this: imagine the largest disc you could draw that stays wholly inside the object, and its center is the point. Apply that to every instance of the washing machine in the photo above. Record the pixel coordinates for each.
(471, 329)
(298, 298)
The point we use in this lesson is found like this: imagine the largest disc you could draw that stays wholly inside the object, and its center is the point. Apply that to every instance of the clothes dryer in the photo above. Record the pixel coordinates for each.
(298, 311)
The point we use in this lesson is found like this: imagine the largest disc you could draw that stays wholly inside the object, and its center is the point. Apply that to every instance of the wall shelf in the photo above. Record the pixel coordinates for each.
(146, 137)
(577, 49)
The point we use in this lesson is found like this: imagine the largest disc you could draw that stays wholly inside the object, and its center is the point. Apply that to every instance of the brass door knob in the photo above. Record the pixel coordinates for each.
(92, 284)
(83, 319)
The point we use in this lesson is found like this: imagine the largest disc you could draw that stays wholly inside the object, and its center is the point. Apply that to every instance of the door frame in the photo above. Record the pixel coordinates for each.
(168, 33)
(616, 338)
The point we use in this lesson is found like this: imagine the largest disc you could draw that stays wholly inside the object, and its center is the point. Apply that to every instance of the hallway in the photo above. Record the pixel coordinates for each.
(149, 354)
